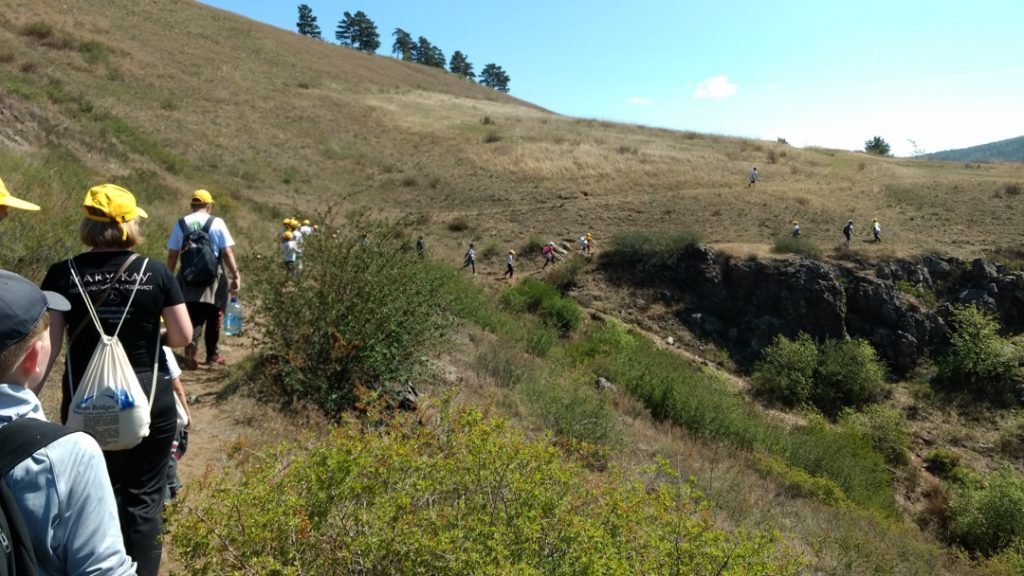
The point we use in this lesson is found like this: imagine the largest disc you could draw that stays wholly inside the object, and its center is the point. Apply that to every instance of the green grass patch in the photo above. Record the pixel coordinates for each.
(676, 390)
(648, 257)
(796, 245)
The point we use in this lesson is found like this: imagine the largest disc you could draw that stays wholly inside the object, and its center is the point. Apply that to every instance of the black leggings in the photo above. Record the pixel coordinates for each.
(138, 476)
(208, 314)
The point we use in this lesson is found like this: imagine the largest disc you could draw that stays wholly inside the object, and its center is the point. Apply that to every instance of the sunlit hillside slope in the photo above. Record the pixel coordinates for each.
(171, 95)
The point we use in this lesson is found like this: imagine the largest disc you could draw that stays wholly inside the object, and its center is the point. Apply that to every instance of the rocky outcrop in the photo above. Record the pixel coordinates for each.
(899, 306)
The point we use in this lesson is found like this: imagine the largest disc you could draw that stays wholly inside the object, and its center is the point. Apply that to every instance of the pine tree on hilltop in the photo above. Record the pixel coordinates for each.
(403, 48)
(307, 25)
(493, 76)
(358, 31)
(461, 66)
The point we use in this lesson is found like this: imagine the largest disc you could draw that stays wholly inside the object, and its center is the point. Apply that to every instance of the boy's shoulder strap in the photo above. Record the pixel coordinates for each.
(24, 437)
(183, 225)
(209, 223)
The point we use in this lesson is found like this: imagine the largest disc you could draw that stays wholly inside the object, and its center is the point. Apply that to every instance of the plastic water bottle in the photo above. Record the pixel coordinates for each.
(233, 318)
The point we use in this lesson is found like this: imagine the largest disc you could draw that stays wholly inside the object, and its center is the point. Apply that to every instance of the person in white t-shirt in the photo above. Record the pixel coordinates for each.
(205, 303)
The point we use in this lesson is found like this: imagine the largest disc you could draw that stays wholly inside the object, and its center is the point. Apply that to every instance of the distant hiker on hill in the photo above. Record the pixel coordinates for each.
(753, 177)
(796, 229)
(583, 245)
(8, 201)
(470, 258)
(590, 243)
(876, 230)
(510, 263)
(848, 232)
(548, 251)
(421, 248)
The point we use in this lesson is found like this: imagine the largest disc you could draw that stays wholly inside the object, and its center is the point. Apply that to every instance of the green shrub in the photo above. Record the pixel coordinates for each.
(648, 257)
(799, 245)
(463, 495)
(676, 390)
(987, 518)
(942, 462)
(531, 248)
(358, 315)
(785, 373)
(538, 297)
(562, 313)
(796, 482)
(1008, 562)
(887, 428)
(978, 361)
(832, 376)
(848, 374)
(572, 410)
(94, 52)
(564, 274)
(458, 224)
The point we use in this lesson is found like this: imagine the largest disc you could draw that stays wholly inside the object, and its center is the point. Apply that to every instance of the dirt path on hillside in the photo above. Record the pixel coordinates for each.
(213, 428)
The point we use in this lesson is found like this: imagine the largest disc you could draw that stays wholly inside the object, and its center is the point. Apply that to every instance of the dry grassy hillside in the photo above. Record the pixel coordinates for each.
(274, 122)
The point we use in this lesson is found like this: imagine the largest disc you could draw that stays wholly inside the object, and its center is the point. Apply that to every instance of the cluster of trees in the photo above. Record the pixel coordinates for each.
(360, 32)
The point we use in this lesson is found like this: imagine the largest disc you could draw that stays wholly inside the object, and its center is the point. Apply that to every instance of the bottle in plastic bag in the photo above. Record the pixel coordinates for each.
(233, 318)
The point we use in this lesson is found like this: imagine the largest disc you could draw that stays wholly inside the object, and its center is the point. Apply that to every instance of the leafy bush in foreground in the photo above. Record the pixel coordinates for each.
(358, 315)
(464, 495)
(979, 362)
(986, 517)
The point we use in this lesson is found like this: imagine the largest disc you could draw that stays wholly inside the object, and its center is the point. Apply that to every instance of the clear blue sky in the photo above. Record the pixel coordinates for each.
(817, 72)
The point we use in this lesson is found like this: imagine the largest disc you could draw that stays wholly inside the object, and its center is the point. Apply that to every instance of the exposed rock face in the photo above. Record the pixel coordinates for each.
(744, 304)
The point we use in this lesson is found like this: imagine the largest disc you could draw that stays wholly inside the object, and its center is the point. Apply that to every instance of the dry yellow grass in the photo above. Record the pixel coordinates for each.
(266, 117)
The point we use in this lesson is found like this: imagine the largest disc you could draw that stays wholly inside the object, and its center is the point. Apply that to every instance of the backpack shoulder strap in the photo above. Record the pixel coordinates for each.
(20, 439)
(183, 226)
(103, 297)
(209, 223)
(24, 437)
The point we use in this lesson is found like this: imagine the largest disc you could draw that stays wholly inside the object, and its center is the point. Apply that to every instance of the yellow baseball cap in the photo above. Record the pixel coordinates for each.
(201, 197)
(111, 203)
(11, 202)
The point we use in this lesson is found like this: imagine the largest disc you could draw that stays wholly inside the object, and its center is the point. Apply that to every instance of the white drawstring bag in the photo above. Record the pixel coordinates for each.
(110, 404)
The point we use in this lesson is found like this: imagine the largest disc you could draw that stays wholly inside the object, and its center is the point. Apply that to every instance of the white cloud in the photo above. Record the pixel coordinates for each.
(639, 101)
(715, 87)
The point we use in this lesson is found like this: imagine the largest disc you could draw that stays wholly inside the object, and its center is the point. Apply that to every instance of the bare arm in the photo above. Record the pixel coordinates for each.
(57, 323)
(179, 326)
(236, 277)
(172, 259)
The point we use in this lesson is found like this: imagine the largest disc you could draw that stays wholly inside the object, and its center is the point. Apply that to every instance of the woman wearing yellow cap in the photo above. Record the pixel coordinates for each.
(9, 201)
(108, 272)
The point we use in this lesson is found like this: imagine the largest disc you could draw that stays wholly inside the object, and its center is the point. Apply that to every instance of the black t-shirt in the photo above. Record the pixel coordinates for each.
(141, 327)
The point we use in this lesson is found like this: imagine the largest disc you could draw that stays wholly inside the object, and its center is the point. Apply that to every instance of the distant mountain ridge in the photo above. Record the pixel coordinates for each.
(1011, 150)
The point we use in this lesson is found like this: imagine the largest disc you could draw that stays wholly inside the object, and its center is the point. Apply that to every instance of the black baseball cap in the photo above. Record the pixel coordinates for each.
(22, 304)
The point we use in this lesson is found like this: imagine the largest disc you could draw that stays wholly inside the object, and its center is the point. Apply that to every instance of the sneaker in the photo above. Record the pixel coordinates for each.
(189, 362)
(216, 359)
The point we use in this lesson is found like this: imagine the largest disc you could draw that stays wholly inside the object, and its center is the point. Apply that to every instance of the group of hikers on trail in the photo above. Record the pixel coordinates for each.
(550, 251)
(75, 502)
(876, 231)
(292, 236)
